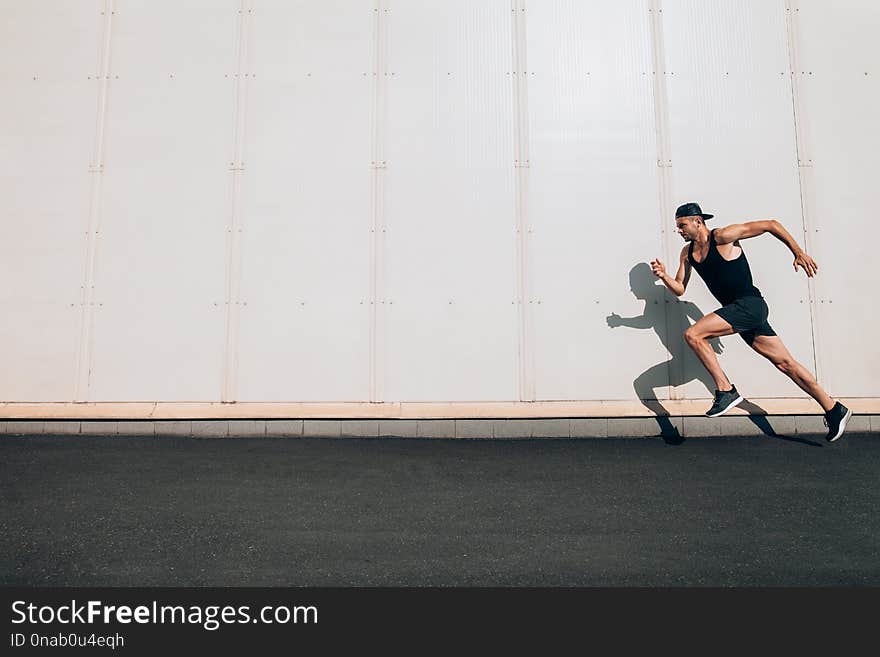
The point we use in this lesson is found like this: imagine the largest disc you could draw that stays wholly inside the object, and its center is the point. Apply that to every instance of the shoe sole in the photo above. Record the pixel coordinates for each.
(842, 426)
(729, 406)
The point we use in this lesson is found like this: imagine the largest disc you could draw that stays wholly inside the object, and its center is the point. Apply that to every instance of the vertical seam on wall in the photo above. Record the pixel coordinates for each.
(377, 207)
(82, 382)
(804, 165)
(519, 77)
(233, 227)
(664, 167)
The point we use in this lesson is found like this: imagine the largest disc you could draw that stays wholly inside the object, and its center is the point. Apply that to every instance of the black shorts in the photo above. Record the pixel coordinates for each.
(748, 317)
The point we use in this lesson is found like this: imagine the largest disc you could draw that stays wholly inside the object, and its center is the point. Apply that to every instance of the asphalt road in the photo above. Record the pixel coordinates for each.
(92, 511)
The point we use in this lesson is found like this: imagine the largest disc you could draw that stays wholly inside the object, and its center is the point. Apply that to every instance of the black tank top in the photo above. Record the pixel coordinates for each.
(728, 280)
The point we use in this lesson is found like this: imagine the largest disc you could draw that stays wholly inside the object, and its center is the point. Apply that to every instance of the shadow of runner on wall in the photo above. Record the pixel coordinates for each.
(669, 317)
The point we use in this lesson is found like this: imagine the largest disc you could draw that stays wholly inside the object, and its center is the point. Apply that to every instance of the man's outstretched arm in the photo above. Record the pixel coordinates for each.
(678, 284)
(743, 231)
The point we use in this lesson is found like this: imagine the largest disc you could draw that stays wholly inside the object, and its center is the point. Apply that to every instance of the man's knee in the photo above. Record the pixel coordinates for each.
(692, 336)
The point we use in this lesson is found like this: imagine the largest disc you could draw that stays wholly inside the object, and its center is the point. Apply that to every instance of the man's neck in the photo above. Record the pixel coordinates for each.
(703, 238)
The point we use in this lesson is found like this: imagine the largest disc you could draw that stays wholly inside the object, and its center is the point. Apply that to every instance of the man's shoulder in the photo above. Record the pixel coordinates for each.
(735, 232)
(719, 234)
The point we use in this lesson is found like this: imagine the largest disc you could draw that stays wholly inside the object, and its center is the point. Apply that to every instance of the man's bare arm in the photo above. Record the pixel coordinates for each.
(749, 229)
(678, 284)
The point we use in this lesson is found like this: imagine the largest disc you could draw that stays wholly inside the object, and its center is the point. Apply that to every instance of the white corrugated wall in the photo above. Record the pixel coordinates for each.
(424, 200)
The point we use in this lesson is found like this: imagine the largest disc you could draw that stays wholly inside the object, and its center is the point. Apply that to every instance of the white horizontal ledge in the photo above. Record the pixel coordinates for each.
(402, 410)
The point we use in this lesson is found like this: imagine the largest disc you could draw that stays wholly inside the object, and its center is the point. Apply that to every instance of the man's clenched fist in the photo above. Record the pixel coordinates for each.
(658, 268)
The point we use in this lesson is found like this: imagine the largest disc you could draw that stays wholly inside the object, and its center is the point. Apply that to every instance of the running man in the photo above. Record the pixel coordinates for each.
(720, 261)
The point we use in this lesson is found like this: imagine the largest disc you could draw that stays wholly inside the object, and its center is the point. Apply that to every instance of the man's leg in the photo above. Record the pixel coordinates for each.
(697, 337)
(772, 348)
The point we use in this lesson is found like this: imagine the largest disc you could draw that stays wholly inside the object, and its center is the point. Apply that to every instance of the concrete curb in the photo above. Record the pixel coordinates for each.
(501, 429)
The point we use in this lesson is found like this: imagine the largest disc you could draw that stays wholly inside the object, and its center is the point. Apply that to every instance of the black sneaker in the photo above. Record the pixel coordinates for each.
(836, 420)
(724, 401)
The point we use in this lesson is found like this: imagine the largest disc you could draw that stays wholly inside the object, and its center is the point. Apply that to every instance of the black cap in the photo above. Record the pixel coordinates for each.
(691, 210)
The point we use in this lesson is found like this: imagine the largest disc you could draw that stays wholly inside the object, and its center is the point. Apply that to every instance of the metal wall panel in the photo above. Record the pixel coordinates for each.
(48, 59)
(161, 258)
(734, 151)
(839, 83)
(450, 227)
(593, 212)
(305, 331)
(415, 200)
